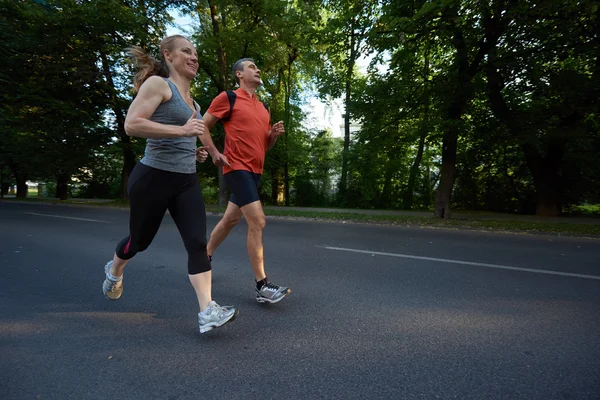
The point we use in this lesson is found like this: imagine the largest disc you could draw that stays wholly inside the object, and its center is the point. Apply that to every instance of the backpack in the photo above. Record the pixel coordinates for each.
(232, 97)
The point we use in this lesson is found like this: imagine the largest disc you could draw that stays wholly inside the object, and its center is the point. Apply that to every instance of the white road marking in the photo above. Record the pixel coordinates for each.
(62, 216)
(444, 260)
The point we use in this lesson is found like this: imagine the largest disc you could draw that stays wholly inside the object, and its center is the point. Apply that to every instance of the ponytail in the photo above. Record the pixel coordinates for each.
(146, 65)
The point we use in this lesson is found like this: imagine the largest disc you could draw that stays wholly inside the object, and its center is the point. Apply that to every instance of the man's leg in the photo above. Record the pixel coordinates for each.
(266, 292)
(244, 187)
(255, 217)
(232, 216)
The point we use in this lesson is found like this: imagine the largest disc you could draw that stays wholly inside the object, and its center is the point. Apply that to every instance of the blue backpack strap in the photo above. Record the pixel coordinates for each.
(231, 96)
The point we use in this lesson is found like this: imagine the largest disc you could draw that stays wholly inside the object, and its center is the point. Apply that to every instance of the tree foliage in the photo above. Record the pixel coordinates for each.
(464, 105)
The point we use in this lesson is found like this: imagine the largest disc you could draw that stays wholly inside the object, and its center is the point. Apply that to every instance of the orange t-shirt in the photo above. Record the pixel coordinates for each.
(246, 132)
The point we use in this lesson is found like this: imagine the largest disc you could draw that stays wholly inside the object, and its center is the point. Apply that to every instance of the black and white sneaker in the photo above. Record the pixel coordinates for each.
(271, 293)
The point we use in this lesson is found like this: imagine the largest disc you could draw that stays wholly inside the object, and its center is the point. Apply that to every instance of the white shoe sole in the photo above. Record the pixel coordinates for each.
(213, 325)
(265, 300)
(108, 292)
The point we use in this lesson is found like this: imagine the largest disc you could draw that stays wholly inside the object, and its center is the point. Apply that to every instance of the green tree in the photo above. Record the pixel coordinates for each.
(55, 112)
(270, 32)
(544, 84)
(342, 41)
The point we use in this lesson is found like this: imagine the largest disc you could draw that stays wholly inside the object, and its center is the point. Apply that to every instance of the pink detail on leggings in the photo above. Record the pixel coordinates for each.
(126, 250)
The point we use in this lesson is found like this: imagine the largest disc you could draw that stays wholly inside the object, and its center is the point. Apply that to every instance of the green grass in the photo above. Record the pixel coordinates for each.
(462, 220)
(590, 210)
(53, 200)
(467, 220)
(471, 223)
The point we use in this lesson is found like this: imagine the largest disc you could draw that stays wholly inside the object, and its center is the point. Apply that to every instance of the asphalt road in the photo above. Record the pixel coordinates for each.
(376, 312)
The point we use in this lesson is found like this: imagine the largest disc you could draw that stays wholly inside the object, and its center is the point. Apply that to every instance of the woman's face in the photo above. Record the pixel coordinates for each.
(183, 58)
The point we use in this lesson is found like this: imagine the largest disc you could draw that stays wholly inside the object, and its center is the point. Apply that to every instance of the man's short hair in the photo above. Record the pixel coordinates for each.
(239, 66)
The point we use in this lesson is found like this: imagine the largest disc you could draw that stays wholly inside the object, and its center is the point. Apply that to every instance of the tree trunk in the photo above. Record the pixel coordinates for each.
(221, 59)
(448, 172)
(22, 187)
(384, 198)
(222, 84)
(286, 185)
(128, 165)
(450, 138)
(414, 169)
(545, 170)
(463, 91)
(347, 100)
(21, 180)
(514, 193)
(274, 184)
(288, 94)
(277, 187)
(427, 184)
(125, 143)
(62, 186)
(546, 178)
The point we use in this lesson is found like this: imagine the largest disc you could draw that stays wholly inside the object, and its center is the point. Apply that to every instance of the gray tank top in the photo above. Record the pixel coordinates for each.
(172, 154)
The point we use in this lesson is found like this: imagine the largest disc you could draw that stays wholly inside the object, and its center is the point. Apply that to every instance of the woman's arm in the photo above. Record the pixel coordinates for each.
(137, 123)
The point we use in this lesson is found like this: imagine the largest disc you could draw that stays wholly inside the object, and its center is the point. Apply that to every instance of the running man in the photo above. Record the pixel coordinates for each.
(247, 138)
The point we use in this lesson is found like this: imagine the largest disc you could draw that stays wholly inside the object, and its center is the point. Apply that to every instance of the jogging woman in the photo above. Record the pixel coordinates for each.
(164, 113)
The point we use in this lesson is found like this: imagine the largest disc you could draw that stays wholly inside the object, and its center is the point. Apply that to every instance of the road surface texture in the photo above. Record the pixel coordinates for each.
(376, 312)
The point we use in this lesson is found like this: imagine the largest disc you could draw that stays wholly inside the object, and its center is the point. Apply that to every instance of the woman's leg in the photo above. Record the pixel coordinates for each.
(148, 191)
(188, 212)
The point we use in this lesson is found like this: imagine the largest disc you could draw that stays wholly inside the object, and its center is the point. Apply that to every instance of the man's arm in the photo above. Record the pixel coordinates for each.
(218, 158)
(276, 131)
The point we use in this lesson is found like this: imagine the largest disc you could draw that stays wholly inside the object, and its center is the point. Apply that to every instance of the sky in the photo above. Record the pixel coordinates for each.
(319, 115)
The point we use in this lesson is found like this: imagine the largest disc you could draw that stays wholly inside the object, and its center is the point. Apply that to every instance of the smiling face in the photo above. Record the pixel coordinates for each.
(182, 58)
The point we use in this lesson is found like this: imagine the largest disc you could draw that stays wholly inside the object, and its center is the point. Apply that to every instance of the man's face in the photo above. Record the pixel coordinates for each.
(250, 74)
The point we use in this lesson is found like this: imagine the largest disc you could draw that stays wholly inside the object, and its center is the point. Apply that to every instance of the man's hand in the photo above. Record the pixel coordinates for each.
(201, 154)
(277, 130)
(193, 127)
(219, 160)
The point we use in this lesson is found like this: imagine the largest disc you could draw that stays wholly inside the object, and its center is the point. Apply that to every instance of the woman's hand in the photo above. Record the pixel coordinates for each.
(201, 154)
(193, 127)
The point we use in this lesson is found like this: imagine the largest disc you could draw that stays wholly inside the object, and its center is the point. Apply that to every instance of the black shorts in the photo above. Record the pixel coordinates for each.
(243, 186)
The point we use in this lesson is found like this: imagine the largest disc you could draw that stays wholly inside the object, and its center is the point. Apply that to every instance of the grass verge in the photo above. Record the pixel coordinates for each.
(470, 222)
(465, 221)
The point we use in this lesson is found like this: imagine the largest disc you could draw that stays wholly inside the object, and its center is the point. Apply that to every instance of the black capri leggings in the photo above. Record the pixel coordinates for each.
(151, 193)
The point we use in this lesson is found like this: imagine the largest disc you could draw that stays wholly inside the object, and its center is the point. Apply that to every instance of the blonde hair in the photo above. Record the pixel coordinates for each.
(148, 65)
